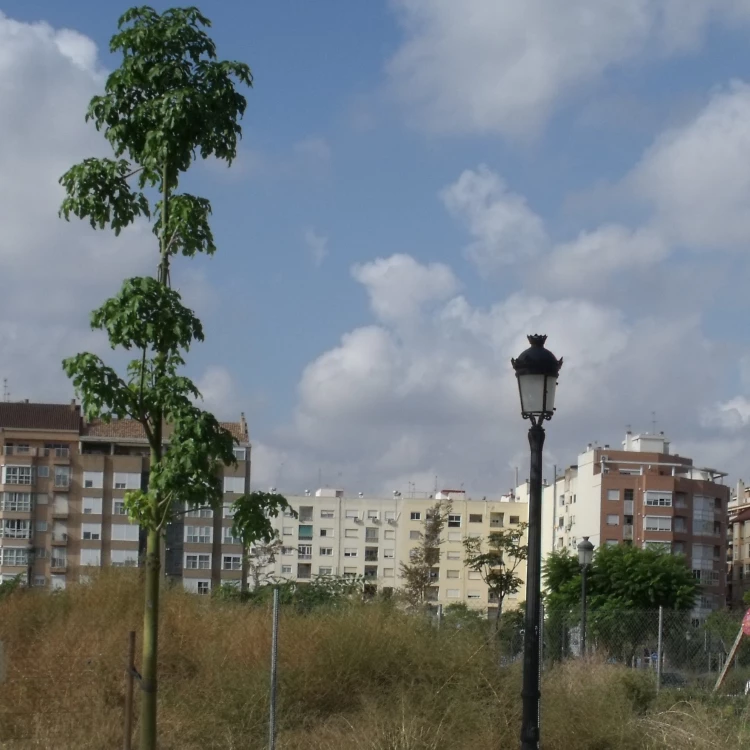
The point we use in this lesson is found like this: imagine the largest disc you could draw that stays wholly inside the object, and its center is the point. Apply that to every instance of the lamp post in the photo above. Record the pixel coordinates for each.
(536, 370)
(585, 556)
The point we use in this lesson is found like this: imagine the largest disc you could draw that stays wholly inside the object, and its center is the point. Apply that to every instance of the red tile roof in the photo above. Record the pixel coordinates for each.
(25, 416)
(129, 429)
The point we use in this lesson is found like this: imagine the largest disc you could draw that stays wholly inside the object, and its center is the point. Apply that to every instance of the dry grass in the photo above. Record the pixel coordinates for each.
(359, 678)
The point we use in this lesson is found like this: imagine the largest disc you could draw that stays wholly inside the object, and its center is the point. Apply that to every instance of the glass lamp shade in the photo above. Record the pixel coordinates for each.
(537, 370)
(585, 552)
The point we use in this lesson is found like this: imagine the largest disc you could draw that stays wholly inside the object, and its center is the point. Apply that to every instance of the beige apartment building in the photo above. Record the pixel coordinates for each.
(339, 535)
(738, 542)
(62, 512)
(644, 495)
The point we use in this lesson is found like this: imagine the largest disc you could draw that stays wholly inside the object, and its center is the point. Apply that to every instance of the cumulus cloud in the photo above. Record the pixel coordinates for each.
(504, 228)
(220, 393)
(502, 66)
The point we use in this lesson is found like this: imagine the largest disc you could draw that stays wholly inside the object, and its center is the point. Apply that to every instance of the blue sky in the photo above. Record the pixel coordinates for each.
(362, 121)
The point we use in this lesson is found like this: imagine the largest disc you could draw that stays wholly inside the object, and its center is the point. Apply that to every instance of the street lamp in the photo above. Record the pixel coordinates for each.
(536, 370)
(585, 556)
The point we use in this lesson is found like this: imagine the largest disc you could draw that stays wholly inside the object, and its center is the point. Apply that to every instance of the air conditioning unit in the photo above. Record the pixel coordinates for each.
(374, 520)
(392, 521)
(358, 520)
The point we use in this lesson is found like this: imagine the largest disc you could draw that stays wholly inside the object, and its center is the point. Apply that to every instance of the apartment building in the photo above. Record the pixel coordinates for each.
(370, 536)
(62, 512)
(644, 495)
(738, 545)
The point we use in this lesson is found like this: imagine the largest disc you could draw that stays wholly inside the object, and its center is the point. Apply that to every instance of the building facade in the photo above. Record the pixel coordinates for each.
(338, 535)
(644, 495)
(62, 512)
(738, 542)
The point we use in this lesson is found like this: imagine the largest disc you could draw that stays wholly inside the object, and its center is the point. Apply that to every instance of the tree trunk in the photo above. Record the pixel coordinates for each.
(150, 643)
(498, 614)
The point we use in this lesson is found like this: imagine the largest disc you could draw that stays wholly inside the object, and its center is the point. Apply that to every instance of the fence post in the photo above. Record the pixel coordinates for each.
(129, 680)
(659, 649)
(274, 656)
(439, 615)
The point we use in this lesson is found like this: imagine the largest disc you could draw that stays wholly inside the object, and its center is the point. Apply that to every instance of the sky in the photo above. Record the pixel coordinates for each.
(420, 184)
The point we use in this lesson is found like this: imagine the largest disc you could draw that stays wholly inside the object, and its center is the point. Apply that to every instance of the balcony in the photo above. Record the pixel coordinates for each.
(371, 555)
(371, 572)
(627, 533)
(304, 571)
(58, 564)
(18, 450)
(59, 538)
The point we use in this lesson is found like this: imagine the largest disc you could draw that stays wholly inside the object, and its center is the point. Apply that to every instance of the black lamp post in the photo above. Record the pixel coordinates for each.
(537, 370)
(585, 556)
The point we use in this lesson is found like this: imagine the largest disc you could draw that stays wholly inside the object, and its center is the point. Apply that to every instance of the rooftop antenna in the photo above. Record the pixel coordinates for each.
(436, 484)
(6, 391)
(653, 422)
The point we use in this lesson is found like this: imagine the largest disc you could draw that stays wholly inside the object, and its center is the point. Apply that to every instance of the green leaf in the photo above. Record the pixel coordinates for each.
(253, 513)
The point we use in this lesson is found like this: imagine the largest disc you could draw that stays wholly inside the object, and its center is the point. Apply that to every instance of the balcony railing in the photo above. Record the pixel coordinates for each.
(627, 532)
(18, 450)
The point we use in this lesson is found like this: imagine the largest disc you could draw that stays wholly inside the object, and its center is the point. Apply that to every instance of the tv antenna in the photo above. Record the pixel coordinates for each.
(6, 391)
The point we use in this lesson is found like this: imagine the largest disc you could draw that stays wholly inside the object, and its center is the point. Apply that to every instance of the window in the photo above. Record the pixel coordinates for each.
(200, 513)
(91, 506)
(350, 572)
(41, 526)
(15, 556)
(122, 532)
(42, 472)
(678, 548)
(325, 571)
(326, 551)
(718, 503)
(389, 534)
(58, 450)
(287, 550)
(234, 484)
(91, 479)
(680, 524)
(231, 562)
(475, 575)
(204, 587)
(126, 481)
(454, 536)
(305, 532)
(390, 515)
(388, 572)
(373, 515)
(15, 529)
(91, 531)
(286, 570)
(288, 531)
(118, 508)
(40, 581)
(664, 547)
(475, 518)
(40, 553)
(658, 499)
(18, 475)
(240, 454)
(371, 535)
(91, 557)
(473, 595)
(326, 514)
(198, 562)
(613, 494)
(198, 534)
(453, 555)
(415, 535)
(57, 582)
(228, 511)
(352, 514)
(304, 551)
(124, 558)
(326, 532)
(351, 533)
(454, 521)
(658, 523)
(453, 593)
(305, 513)
(415, 515)
(389, 554)
(613, 519)
(350, 551)
(611, 543)
(452, 574)
(17, 501)
(514, 520)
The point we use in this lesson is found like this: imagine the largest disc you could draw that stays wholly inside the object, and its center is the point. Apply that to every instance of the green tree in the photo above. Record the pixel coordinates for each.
(497, 560)
(419, 573)
(168, 101)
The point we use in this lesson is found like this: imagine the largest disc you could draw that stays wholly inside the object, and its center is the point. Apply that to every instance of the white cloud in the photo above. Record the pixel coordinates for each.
(314, 150)
(219, 392)
(504, 227)
(399, 287)
(731, 415)
(503, 66)
(695, 176)
(317, 244)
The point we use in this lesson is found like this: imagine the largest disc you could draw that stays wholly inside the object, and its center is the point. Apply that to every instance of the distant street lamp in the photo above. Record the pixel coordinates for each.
(585, 557)
(537, 370)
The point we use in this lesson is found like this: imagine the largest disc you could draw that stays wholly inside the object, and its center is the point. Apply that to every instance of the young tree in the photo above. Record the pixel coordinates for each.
(418, 573)
(497, 560)
(169, 99)
(259, 557)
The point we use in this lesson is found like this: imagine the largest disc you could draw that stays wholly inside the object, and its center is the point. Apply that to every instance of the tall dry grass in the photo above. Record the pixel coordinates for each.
(361, 677)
